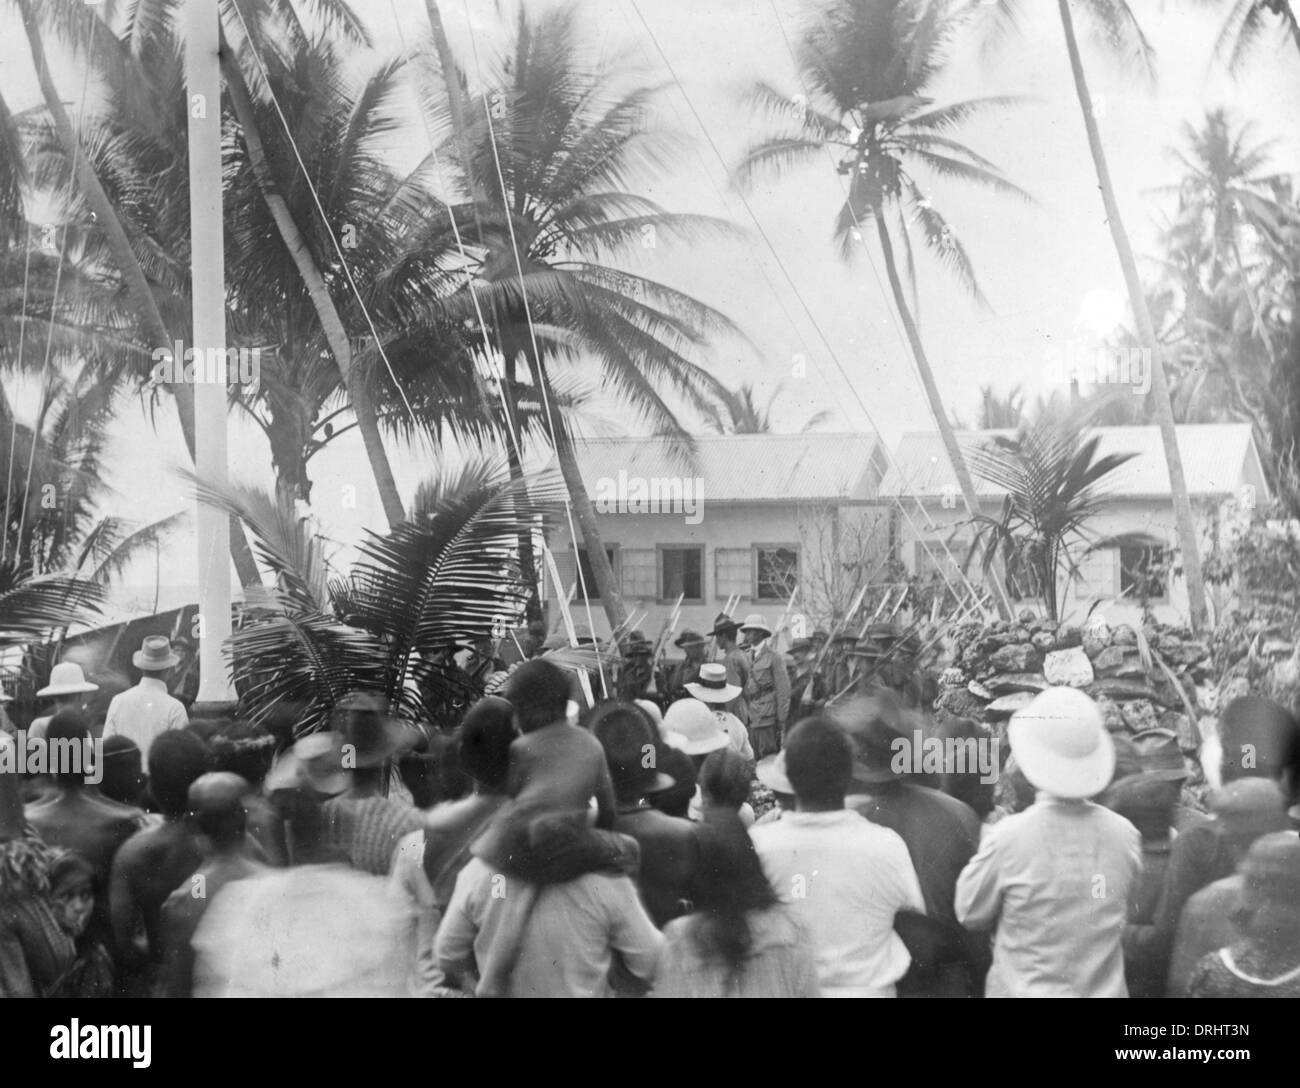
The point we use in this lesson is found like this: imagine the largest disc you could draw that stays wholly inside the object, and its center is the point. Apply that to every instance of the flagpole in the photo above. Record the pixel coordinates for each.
(208, 295)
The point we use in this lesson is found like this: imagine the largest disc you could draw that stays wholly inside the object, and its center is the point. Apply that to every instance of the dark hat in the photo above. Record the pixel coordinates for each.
(688, 638)
(801, 646)
(1158, 752)
(820, 635)
(724, 623)
(362, 719)
(1128, 762)
(874, 723)
(637, 646)
(630, 750)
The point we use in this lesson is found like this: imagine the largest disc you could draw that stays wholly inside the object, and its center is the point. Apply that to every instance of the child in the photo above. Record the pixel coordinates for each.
(554, 766)
(72, 889)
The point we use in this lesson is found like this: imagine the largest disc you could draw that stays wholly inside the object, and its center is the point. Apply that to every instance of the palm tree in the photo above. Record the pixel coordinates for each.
(866, 65)
(547, 152)
(439, 582)
(1054, 483)
(737, 412)
(1249, 22)
(1122, 37)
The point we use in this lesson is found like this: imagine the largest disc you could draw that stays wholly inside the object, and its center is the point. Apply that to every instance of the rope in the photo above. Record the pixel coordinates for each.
(532, 334)
(784, 270)
(13, 421)
(315, 196)
(54, 302)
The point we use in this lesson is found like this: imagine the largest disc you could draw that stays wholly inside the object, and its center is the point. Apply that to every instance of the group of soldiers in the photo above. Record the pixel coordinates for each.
(738, 665)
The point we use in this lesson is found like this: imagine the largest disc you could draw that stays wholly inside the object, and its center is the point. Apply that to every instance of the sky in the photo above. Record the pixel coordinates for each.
(823, 330)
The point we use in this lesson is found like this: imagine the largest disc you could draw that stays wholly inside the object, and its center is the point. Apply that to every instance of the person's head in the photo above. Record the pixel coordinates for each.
(819, 763)
(1260, 738)
(69, 744)
(176, 759)
(539, 693)
(725, 630)
(484, 746)
(694, 651)
(1060, 742)
(968, 784)
(724, 779)
(216, 801)
(123, 770)
(631, 750)
(1247, 809)
(155, 658)
(534, 639)
(244, 749)
(676, 800)
(1270, 897)
(729, 883)
(72, 888)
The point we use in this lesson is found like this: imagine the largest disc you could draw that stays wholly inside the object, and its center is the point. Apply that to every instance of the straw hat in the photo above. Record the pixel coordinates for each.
(66, 678)
(315, 763)
(155, 655)
(692, 727)
(712, 686)
(755, 622)
(1061, 743)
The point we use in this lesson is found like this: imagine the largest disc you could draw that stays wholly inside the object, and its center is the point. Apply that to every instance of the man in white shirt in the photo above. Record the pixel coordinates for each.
(846, 877)
(143, 713)
(1055, 879)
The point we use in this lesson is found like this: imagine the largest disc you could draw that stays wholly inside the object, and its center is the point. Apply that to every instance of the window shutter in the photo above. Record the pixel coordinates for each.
(638, 573)
(733, 573)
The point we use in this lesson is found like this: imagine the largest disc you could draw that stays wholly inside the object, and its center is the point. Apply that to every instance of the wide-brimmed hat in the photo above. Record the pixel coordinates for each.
(155, 655)
(874, 723)
(712, 686)
(755, 622)
(637, 646)
(362, 720)
(1061, 743)
(770, 771)
(314, 763)
(689, 638)
(801, 646)
(66, 678)
(1159, 754)
(651, 710)
(692, 727)
(723, 623)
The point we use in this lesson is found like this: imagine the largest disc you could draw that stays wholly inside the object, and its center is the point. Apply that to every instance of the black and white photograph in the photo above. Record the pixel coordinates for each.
(651, 499)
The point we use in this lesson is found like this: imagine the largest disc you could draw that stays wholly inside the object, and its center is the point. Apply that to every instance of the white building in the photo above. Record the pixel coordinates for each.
(748, 518)
(1223, 472)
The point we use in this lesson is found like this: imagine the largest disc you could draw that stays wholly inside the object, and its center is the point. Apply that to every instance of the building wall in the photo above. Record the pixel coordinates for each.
(1101, 577)
(729, 535)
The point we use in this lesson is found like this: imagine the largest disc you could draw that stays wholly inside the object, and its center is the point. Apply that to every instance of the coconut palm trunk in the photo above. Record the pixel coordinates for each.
(958, 461)
(601, 568)
(137, 287)
(331, 323)
(1183, 517)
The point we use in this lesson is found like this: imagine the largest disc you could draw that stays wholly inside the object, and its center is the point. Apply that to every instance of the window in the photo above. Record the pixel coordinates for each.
(776, 572)
(588, 577)
(732, 573)
(1096, 573)
(637, 570)
(1142, 571)
(681, 572)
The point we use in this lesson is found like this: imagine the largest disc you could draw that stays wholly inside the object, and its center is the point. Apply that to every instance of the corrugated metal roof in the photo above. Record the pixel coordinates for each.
(1215, 461)
(747, 468)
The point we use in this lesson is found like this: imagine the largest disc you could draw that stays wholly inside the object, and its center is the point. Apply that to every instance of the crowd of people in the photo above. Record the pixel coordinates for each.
(715, 828)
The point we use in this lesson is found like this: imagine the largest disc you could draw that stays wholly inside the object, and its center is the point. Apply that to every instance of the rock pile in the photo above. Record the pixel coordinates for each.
(998, 669)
